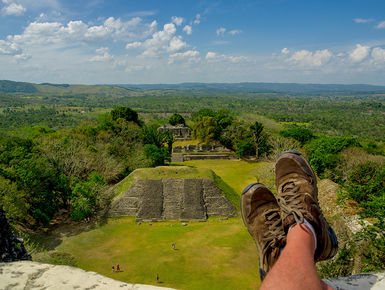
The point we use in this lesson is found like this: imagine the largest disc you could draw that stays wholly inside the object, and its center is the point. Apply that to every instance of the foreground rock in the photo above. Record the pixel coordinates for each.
(373, 281)
(171, 199)
(11, 248)
(33, 275)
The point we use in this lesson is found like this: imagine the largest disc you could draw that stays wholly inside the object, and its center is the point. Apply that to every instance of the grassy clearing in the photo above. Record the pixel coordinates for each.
(186, 142)
(211, 255)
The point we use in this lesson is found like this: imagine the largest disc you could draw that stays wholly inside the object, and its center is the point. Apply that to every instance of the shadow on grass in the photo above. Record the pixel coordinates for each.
(50, 238)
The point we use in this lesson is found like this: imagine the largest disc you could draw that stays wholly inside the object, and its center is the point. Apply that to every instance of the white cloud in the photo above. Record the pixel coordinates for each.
(215, 57)
(211, 55)
(22, 57)
(381, 25)
(363, 20)
(135, 44)
(306, 58)
(359, 53)
(176, 44)
(235, 31)
(9, 48)
(103, 55)
(13, 8)
(190, 55)
(221, 31)
(163, 41)
(177, 20)
(187, 29)
(197, 19)
(77, 33)
(378, 54)
(285, 51)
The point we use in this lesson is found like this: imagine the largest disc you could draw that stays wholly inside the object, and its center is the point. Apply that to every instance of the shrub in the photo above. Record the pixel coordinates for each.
(302, 135)
(323, 152)
(85, 196)
(245, 148)
(124, 113)
(156, 154)
(176, 119)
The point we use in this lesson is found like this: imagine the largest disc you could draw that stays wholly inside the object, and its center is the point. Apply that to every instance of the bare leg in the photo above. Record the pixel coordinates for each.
(295, 268)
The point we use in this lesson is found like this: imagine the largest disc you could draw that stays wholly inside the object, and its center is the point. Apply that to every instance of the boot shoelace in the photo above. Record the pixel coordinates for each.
(290, 204)
(274, 237)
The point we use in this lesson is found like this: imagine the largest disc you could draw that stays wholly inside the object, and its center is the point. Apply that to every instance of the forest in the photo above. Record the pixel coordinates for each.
(62, 147)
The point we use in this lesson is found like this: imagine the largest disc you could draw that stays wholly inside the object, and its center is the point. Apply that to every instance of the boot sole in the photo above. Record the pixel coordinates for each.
(331, 233)
(262, 273)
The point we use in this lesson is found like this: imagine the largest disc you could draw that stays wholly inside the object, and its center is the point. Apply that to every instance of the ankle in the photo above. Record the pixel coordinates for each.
(300, 235)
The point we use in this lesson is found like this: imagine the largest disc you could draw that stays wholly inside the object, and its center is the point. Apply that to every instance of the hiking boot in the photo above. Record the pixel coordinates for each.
(298, 199)
(261, 215)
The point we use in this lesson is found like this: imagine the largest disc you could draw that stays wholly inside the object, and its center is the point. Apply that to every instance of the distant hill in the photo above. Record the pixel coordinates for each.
(17, 87)
(64, 89)
(251, 87)
(124, 90)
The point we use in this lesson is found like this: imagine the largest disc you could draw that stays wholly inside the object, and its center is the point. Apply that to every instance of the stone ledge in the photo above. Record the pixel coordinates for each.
(33, 275)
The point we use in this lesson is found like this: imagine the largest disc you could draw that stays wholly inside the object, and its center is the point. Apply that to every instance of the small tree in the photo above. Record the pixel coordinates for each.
(205, 129)
(257, 130)
(169, 139)
(176, 119)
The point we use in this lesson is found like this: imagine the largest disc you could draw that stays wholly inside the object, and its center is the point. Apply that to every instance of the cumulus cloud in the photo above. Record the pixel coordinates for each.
(221, 31)
(235, 31)
(215, 57)
(12, 8)
(306, 58)
(135, 44)
(189, 55)
(211, 55)
(187, 29)
(378, 54)
(176, 44)
(197, 19)
(103, 54)
(177, 20)
(381, 25)
(76, 33)
(359, 53)
(163, 41)
(363, 20)
(285, 51)
(9, 48)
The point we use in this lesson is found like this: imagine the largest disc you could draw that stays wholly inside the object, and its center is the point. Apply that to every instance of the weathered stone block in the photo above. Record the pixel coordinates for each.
(151, 202)
(193, 203)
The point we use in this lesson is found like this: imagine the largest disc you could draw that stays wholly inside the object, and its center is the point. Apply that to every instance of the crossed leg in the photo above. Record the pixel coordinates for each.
(295, 268)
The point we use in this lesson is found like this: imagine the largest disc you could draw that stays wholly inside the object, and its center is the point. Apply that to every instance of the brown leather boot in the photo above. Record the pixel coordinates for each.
(261, 215)
(298, 199)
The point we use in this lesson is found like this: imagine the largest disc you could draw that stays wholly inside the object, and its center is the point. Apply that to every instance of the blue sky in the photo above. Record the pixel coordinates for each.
(132, 41)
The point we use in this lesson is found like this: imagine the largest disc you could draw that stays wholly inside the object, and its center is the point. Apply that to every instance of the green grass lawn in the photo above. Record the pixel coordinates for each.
(210, 255)
(217, 254)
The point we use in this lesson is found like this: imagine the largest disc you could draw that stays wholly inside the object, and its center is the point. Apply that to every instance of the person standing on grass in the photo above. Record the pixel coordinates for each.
(113, 268)
(117, 268)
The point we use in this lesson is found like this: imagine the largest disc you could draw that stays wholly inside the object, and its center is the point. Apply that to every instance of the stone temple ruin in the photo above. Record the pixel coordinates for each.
(180, 132)
(171, 199)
